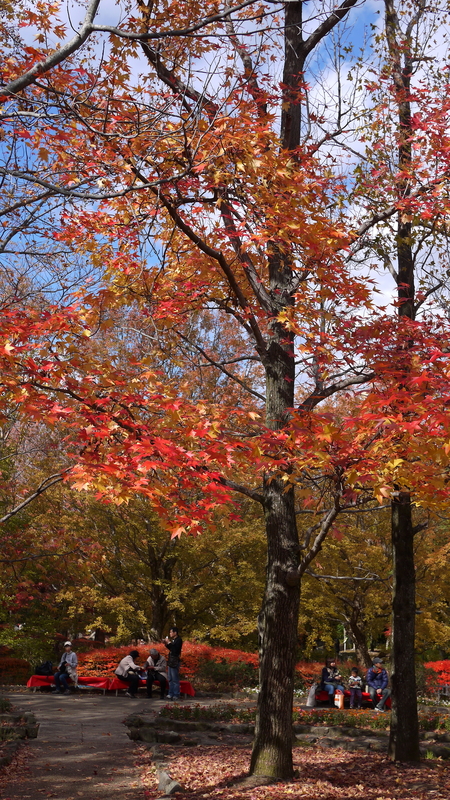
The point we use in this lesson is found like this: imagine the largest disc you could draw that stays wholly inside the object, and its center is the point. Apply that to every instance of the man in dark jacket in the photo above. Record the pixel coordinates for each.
(174, 645)
(377, 681)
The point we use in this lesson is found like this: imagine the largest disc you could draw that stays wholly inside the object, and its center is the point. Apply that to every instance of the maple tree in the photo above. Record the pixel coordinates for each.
(179, 187)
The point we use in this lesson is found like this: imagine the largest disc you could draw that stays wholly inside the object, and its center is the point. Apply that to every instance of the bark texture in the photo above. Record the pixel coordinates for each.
(404, 735)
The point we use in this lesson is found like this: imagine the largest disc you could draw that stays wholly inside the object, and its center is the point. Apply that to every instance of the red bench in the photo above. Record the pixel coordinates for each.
(47, 680)
(105, 684)
(322, 696)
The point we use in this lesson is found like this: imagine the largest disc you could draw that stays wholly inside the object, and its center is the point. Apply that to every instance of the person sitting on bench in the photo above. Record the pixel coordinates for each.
(67, 669)
(129, 672)
(377, 681)
(156, 671)
(331, 680)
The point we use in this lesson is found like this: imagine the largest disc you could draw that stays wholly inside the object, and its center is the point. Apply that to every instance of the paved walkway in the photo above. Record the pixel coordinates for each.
(82, 751)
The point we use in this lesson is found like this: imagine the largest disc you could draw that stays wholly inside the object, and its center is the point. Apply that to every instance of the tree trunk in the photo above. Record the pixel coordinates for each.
(278, 621)
(361, 649)
(404, 735)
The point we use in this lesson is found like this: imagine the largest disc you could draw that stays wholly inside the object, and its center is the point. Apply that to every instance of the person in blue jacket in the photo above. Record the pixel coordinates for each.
(377, 680)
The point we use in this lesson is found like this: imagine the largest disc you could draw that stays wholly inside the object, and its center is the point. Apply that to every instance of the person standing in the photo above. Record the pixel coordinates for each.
(156, 671)
(377, 681)
(128, 672)
(67, 668)
(174, 643)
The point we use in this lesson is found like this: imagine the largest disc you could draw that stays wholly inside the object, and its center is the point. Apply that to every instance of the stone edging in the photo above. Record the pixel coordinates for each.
(22, 726)
(170, 731)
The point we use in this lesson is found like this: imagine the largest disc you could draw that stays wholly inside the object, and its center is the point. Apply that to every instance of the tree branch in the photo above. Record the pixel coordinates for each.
(316, 397)
(245, 490)
(46, 484)
(57, 56)
(336, 16)
(220, 366)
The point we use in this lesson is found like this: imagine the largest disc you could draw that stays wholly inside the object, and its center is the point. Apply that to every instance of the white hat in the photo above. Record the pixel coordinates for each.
(67, 644)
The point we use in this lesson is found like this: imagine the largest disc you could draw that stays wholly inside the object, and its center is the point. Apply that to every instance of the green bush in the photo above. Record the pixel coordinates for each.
(228, 674)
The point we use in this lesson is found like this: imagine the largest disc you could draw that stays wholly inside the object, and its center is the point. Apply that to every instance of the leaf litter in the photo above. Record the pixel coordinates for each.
(321, 774)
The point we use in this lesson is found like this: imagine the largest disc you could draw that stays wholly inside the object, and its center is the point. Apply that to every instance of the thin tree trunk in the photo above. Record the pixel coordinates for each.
(361, 649)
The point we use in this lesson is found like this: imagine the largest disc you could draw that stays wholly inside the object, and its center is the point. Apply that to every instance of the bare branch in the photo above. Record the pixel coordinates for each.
(88, 27)
(38, 556)
(68, 191)
(220, 366)
(317, 396)
(46, 484)
(57, 56)
(324, 527)
(370, 576)
(187, 31)
(336, 16)
(245, 490)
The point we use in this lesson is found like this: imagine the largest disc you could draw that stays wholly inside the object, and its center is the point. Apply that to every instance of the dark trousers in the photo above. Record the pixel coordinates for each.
(156, 676)
(133, 682)
(379, 700)
(355, 697)
(60, 679)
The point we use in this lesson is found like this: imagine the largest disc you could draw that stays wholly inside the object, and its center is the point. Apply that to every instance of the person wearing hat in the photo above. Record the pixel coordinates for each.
(67, 668)
(156, 671)
(129, 672)
(377, 680)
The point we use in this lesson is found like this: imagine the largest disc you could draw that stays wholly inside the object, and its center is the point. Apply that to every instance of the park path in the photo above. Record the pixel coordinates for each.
(82, 751)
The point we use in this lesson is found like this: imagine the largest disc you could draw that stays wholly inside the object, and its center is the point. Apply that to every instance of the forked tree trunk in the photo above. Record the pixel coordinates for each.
(404, 735)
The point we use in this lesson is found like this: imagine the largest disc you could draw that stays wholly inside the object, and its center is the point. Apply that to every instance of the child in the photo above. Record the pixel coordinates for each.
(355, 686)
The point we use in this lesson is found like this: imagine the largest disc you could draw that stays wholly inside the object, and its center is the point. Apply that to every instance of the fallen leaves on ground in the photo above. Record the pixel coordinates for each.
(208, 772)
(18, 767)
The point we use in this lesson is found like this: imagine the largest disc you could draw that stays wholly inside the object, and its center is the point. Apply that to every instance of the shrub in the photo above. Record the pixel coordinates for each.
(437, 674)
(14, 670)
(217, 674)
